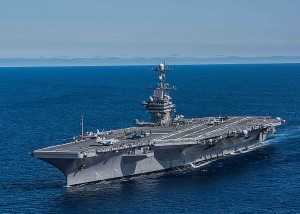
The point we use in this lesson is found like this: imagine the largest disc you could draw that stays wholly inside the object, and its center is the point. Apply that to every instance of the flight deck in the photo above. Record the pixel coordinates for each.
(199, 128)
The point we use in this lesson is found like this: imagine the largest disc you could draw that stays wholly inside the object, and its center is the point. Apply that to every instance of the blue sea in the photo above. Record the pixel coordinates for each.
(41, 106)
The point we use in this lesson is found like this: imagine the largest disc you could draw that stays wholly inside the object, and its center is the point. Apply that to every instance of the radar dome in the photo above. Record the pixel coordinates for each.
(161, 67)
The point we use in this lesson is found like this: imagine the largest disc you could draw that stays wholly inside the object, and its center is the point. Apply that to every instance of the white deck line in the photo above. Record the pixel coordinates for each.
(190, 128)
(202, 129)
(228, 125)
(178, 132)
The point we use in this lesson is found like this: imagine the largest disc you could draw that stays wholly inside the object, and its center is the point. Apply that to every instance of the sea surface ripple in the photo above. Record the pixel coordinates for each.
(41, 106)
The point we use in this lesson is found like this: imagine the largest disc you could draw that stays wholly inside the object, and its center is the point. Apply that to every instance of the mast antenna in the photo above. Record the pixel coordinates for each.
(81, 125)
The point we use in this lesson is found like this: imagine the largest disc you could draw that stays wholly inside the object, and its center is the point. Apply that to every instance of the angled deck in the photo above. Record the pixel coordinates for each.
(198, 129)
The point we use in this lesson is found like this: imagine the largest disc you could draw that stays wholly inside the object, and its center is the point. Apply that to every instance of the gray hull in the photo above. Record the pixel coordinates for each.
(141, 159)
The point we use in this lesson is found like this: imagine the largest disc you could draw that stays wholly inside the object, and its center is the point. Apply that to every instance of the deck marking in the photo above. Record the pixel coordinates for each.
(203, 129)
(228, 125)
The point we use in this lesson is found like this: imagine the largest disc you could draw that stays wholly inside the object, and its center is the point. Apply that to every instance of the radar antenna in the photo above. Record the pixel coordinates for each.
(159, 105)
(81, 123)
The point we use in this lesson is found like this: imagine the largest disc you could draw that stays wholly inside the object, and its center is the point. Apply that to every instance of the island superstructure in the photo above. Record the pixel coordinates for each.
(159, 105)
(167, 141)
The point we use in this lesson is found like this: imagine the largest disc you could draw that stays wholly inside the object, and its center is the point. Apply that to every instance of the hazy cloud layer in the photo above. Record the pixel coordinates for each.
(76, 29)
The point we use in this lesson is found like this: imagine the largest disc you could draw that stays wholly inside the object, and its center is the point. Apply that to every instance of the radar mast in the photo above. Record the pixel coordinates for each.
(159, 105)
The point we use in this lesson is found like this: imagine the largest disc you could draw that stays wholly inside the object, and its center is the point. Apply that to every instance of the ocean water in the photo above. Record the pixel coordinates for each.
(41, 106)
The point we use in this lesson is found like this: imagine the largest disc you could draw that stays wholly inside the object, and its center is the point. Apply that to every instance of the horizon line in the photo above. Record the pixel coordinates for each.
(132, 61)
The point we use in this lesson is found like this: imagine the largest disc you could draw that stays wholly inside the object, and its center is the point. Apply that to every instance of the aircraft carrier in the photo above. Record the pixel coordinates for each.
(168, 141)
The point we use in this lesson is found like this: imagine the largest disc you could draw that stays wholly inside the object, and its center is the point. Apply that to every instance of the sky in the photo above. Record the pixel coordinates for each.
(138, 28)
